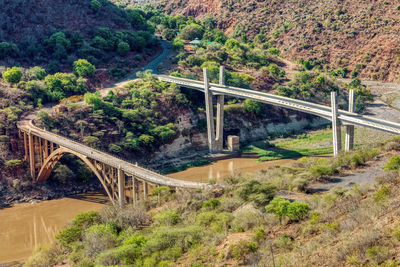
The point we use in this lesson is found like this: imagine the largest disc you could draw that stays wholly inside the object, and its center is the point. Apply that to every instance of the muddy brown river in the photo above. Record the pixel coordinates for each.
(27, 226)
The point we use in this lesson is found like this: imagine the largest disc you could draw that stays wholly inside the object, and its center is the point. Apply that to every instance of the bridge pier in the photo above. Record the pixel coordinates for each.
(121, 186)
(31, 148)
(337, 134)
(209, 112)
(215, 137)
(219, 139)
(349, 141)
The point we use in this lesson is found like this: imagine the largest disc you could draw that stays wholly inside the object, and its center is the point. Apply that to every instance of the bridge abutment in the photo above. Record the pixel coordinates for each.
(336, 129)
(349, 142)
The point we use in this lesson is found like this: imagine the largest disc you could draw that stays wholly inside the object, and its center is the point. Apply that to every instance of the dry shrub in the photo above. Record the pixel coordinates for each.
(45, 256)
(247, 217)
(390, 177)
(358, 244)
(125, 217)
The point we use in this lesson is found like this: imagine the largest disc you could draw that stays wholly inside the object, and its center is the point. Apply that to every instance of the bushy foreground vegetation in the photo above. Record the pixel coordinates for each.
(244, 223)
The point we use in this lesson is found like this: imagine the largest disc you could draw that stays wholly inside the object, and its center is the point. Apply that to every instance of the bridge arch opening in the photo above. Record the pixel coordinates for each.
(56, 157)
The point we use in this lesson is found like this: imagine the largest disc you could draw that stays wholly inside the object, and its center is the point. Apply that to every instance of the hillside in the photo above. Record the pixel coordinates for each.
(358, 35)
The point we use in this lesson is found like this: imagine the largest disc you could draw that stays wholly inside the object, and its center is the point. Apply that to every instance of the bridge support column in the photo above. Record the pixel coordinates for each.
(209, 112)
(337, 134)
(32, 155)
(219, 139)
(145, 189)
(134, 190)
(349, 142)
(26, 157)
(121, 187)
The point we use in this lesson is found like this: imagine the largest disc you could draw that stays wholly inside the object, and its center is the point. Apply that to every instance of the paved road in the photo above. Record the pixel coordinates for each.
(152, 65)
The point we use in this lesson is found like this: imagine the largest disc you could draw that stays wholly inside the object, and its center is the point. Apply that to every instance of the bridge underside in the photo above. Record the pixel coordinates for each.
(121, 187)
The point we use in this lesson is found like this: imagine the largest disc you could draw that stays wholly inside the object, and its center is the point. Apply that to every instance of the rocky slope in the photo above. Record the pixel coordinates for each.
(339, 33)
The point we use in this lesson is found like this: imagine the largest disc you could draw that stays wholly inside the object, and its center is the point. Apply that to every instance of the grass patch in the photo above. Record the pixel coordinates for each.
(195, 163)
(318, 143)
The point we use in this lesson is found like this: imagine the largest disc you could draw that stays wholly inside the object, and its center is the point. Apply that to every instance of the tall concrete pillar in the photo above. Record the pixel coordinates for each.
(145, 189)
(219, 139)
(349, 142)
(31, 142)
(46, 149)
(121, 187)
(337, 134)
(134, 190)
(209, 112)
(26, 147)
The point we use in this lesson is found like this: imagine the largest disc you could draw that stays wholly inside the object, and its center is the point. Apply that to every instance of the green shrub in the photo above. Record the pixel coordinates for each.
(114, 148)
(84, 68)
(393, 164)
(296, 211)
(95, 5)
(62, 173)
(253, 107)
(166, 218)
(211, 204)
(74, 231)
(12, 75)
(8, 49)
(215, 221)
(259, 193)
(381, 194)
(167, 237)
(36, 73)
(91, 141)
(169, 34)
(123, 48)
(128, 253)
(377, 254)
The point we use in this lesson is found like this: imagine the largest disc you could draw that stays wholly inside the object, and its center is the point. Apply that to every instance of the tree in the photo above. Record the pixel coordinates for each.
(84, 68)
(253, 107)
(8, 49)
(91, 141)
(36, 73)
(62, 173)
(192, 32)
(278, 206)
(12, 75)
(169, 34)
(123, 48)
(95, 5)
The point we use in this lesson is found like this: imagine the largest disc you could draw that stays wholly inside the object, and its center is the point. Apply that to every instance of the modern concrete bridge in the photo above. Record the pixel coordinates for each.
(123, 181)
(337, 116)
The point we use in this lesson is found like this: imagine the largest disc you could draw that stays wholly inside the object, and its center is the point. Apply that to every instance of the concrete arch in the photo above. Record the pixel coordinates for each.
(56, 155)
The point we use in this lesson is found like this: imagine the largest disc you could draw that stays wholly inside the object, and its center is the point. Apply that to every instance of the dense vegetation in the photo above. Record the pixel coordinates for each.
(245, 223)
(139, 117)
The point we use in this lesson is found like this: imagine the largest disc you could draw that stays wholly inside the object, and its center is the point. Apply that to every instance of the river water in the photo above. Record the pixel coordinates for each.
(27, 226)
